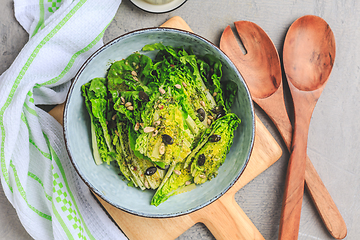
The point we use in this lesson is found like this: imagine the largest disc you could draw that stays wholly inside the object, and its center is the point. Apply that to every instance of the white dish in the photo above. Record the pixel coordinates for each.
(158, 8)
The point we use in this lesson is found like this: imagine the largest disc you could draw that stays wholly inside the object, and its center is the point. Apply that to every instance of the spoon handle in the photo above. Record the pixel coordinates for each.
(322, 200)
(325, 205)
(294, 183)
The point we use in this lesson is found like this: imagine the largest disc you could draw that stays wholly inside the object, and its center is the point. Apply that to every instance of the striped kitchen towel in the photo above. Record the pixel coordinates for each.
(36, 174)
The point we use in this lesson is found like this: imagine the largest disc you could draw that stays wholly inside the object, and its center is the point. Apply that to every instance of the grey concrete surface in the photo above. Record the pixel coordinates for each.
(333, 143)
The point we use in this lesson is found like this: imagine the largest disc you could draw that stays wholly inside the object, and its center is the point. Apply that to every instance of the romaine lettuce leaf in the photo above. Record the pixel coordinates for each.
(211, 156)
(179, 179)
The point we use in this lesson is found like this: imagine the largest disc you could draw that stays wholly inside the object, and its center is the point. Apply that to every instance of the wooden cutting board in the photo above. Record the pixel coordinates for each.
(224, 218)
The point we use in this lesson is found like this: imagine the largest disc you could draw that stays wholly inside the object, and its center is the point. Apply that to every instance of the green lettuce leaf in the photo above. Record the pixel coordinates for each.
(211, 156)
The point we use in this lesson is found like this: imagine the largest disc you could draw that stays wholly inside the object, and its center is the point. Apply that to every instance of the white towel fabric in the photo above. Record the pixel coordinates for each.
(50, 199)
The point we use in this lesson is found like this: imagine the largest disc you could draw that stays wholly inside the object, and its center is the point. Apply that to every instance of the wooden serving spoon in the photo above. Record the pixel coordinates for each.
(261, 70)
(309, 54)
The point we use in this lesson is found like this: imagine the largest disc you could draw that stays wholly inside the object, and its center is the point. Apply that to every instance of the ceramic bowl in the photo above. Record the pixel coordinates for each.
(104, 180)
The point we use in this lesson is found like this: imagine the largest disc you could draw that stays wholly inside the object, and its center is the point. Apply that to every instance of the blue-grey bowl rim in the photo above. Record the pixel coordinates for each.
(115, 40)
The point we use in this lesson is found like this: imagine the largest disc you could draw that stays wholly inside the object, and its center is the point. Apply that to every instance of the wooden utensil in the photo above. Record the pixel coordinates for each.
(308, 56)
(261, 70)
(224, 218)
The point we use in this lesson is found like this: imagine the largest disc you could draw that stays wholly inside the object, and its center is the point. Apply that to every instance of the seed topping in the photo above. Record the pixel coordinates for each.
(201, 160)
(162, 149)
(137, 126)
(122, 100)
(146, 183)
(168, 140)
(161, 90)
(150, 171)
(148, 129)
(201, 114)
(215, 138)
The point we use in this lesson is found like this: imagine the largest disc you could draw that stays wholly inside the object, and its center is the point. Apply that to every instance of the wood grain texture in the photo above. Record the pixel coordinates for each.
(224, 218)
(261, 69)
(309, 52)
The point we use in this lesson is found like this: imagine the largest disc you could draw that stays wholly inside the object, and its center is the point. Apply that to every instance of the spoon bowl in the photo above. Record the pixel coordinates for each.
(309, 53)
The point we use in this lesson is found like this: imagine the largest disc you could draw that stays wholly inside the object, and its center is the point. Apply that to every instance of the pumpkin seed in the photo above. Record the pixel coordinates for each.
(201, 160)
(215, 138)
(178, 86)
(130, 108)
(168, 140)
(150, 171)
(201, 114)
(177, 172)
(128, 104)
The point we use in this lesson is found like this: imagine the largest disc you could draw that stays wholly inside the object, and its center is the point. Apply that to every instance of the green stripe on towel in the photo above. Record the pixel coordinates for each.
(18, 80)
(23, 193)
(41, 17)
(72, 60)
(72, 213)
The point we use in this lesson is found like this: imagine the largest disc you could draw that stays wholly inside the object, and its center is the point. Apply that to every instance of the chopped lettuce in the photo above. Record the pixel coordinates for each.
(95, 94)
(155, 118)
